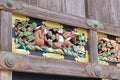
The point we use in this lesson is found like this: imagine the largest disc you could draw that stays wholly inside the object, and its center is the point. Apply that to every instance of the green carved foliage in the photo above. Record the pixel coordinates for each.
(24, 32)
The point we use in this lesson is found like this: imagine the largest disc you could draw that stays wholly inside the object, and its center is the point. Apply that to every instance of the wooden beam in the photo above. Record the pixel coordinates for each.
(37, 12)
(93, 49)
(111, 29)
(37, 64)
(5, 31)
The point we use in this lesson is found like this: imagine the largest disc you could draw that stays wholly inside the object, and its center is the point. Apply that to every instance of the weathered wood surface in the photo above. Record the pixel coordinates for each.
(52, 5)
(30, 10)
(73, 7)
(93, 50)
(5, 31)
(35, 64)
(37, 12)
(105, 11)
(56, 5)
(5, 39)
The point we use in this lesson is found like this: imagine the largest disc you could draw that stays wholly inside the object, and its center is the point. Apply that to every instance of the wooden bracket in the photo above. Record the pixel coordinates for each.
(95, 25)
(11, 5)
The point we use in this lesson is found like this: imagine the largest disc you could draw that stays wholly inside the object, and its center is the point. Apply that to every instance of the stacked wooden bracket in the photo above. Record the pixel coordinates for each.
(34, 64)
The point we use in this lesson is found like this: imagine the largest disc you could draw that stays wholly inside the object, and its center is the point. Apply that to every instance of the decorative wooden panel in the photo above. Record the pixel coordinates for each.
(60, 41)
(108, 49)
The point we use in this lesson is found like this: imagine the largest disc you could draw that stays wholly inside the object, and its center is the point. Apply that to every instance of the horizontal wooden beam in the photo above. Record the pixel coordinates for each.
(37, 64)
(37, 12)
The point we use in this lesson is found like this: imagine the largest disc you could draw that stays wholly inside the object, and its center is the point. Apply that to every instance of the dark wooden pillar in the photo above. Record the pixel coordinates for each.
(93, 50)
(5, 31)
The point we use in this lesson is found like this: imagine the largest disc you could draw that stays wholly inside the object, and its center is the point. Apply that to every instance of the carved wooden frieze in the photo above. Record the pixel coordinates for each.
(49, 39)
(108, 49)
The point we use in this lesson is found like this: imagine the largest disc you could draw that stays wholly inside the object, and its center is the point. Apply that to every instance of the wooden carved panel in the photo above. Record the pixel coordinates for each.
(39, 37)
(108, 49)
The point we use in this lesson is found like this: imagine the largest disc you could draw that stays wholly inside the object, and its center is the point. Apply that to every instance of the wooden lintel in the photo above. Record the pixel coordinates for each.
(37, 64)
(34, 11)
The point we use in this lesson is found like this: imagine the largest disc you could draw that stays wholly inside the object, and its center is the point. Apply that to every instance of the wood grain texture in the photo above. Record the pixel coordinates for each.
(42, 3)
(75, 7)
(59, 17)
(54, 5)
(6, 31)
(93, 50)
(111, 29)
(36, 64)
(38, 12)
(105, 11)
